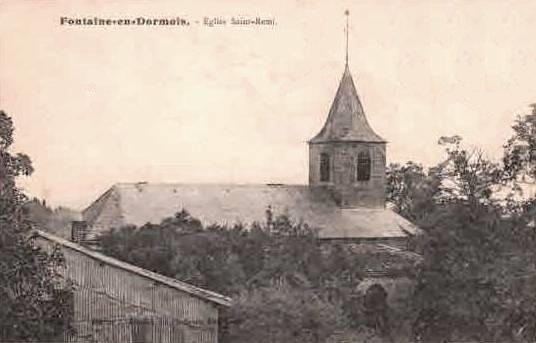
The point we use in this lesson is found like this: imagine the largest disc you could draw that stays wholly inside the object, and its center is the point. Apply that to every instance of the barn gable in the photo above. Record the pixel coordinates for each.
(102, 259)
(114, 301)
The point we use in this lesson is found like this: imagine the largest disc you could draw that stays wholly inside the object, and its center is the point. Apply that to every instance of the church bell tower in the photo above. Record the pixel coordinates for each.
(347, 158)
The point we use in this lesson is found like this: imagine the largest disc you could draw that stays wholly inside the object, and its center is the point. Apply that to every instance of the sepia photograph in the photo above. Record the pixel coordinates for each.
(244, 171)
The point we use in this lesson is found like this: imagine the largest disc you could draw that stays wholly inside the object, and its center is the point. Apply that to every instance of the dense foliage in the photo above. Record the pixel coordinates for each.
(275, 268)
(479, 266)
(283, 314)
(32, 305)
(54, 220)
(475, 282)
(520, 149)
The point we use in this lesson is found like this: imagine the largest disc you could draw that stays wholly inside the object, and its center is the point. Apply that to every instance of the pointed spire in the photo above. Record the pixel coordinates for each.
(347, 14)
(346, 119)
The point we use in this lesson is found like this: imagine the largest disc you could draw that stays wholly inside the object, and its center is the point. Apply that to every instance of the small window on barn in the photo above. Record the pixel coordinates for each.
(363, 166)
(325, 167)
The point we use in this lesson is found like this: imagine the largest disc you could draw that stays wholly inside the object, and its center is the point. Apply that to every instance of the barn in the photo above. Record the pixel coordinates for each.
(114, 301)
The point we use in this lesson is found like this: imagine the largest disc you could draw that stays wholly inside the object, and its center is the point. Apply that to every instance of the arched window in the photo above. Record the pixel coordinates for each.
(325, 167)
(363, 166)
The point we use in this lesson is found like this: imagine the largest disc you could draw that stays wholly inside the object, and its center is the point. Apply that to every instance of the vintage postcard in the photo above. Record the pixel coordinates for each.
(251, 171)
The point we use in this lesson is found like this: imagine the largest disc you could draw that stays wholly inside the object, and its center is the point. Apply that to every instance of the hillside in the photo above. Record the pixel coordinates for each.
(56, 221)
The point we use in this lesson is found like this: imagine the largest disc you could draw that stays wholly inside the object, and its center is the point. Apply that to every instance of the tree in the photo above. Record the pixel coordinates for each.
(276, 260)
(182, 248)
(456, 286)
(56, 221)
(281, 314)
(33, 305)
(466, 176)
(519, 161)
(455, 289)
(412, 189)
(229, 260)
(520, 150)
(478, 260)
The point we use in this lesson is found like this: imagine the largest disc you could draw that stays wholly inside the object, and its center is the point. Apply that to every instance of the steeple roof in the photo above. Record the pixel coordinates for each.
(346, 119)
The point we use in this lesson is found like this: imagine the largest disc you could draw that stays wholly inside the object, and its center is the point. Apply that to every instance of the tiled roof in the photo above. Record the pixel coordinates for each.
(346, 119)
(140, 203)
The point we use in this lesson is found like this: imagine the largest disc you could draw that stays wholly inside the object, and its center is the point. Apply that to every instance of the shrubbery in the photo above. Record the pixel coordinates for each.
(32, 307)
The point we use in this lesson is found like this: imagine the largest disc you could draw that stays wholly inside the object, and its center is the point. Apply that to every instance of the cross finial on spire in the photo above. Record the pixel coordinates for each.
(347, 14)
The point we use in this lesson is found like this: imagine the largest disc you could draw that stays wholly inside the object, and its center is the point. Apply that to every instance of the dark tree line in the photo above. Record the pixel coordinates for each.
(479, 267)
(33, 306)
(476, 280)
(286, 287)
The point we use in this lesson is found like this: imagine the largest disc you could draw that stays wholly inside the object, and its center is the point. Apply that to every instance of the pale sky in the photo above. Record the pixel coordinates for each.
(98, 105)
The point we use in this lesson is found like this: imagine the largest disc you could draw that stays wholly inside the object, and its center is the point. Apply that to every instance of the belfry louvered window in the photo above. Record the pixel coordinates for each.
(325, 167)
(363, 166)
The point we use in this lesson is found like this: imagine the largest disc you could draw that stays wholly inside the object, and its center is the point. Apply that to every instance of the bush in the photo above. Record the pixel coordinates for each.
(282, 314)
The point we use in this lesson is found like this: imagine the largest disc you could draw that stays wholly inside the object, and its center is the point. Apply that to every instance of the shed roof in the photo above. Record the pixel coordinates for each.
(173, 283)
(141, 203)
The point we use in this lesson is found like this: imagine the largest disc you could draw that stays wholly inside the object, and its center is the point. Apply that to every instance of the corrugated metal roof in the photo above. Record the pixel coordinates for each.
(173, 283)
(346, 119)
(141, 203)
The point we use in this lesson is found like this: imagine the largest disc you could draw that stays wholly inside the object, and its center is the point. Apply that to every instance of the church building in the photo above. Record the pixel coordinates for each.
(345, 198)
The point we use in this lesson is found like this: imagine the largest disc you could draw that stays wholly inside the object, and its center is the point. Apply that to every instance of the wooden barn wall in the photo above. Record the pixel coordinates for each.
(115, 305)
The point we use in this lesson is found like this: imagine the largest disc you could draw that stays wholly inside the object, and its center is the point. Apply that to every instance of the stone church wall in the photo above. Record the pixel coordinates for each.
(347, 191)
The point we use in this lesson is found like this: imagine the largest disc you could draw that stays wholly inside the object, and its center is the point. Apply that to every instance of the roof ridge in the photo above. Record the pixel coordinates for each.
(173, 283)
